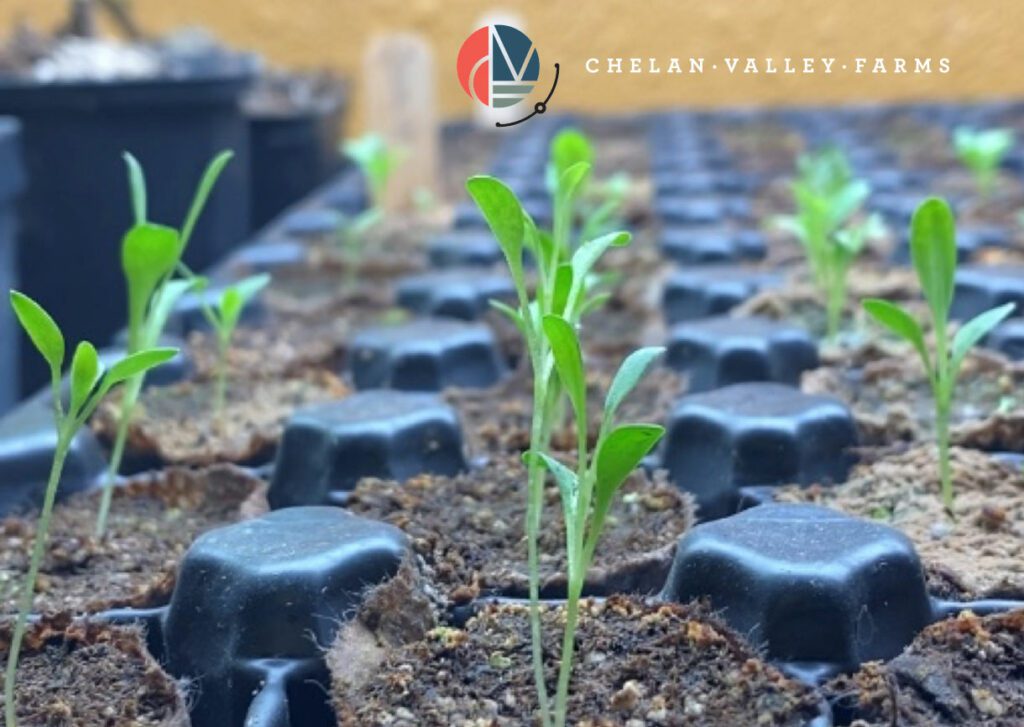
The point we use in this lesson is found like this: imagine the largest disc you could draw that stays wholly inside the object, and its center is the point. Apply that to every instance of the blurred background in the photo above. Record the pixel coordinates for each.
(281, 83)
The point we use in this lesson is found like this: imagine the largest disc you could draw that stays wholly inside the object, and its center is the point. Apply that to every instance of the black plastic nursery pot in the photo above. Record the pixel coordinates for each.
(12, 180)
(292, 150)
(76, 205)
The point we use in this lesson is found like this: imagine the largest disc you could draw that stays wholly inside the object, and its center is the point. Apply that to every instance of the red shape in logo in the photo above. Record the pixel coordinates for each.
(474, 65)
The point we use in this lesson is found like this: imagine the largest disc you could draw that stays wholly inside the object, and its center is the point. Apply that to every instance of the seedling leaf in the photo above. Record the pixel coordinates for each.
(565, 347)
(626, 378)
(568, 148)
(149, 253)
(511, 313)
(933, 249)
(41, 329)
(206, 183)
(973, 331)
(565, 478)
(135, 364)
(136, 187)
(562, 288)
(504, 214)
(618, 454)
(901, 323)
(85, 372)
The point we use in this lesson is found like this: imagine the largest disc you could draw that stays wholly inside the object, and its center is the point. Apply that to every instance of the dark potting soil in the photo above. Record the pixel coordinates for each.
(977, 555)
(91, 674)
(892, 400)
(469, 530)
(961, 671)
(636, 664)
(153, 519)
(176, 425)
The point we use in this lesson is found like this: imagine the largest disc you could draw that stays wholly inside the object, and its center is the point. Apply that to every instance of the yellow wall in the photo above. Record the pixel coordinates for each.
(982, 39)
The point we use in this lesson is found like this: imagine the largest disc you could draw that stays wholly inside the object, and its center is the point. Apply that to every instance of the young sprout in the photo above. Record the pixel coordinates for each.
(150, 254)
(933, 249)
(564, 287)
(587, 492)
(982, 152)
(377, 161)
(603, 206)
(224, 318)
(827, 196)
(88, 384)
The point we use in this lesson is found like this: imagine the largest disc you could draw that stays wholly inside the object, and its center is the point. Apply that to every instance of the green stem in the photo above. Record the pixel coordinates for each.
(221, 383)
(131, 396)
(28, 587)
(942, 407)
(572, 609)
(540, 434)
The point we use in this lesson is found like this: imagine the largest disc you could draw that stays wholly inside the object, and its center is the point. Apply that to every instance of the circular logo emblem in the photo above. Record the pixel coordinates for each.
(498, 66)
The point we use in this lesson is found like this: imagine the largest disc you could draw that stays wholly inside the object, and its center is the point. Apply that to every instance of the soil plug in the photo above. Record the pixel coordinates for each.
(150, 254)
(588, 492)
(89, 384)
(982, 151)
(933, 250)
(566, 287)
(827, 196)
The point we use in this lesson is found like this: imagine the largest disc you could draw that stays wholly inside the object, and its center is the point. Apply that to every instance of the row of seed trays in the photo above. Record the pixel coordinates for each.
(684, 419)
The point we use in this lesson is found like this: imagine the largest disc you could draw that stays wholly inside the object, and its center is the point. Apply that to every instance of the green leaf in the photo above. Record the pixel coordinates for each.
(236, 297)
(136, 187)
(933, 250)
(568, 148)
(504, 214)
(565, 347)
(85, 372)
(571, 179)
(618, 454)
(562, 287)
(149, 253)
(376, 160)
(901, 323)
(973, 331)
(511, 313)
(210, 176)
(588, 253)
(163, 304)
(627, 377)
(41, 329)
(135, 364)
(565, 478)
(593, 303)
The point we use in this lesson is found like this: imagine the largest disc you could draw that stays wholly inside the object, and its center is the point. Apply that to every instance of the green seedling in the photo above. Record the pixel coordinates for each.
(564, 287)
(224, 317)
(602, 207)
(587, 493)
(89, 383)
(377, 161)
(933, 250)
(982, 152)
(827, 196)
(150, 254)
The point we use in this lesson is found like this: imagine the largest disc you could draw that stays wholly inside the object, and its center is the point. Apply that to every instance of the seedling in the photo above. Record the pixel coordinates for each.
(602, 208)
(933, 250)
(563, 288)
(89, 384)
(588, 492)
(224, 318)
(827, 196)
(982, 152)
(150, 254)
(377, 161)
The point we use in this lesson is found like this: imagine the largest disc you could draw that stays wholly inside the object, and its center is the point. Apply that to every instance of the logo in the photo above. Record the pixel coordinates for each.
(498, 66)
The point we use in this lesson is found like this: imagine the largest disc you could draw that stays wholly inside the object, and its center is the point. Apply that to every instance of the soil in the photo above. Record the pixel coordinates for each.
(962, 671)
(175, 424)
(152, 521)
(486, 509)
(636, 664)
(976, 555)
(91, 674)
(892, 400)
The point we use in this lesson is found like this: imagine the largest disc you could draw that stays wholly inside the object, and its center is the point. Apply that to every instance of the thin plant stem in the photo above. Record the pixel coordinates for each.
(942, 408)
(131, 396)
(572, 610)
(221, 381)
(64, 434)
(539, 433)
